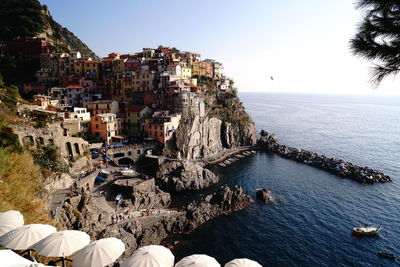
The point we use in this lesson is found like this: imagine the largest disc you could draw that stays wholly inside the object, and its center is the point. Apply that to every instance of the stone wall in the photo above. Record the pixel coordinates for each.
(51, 134)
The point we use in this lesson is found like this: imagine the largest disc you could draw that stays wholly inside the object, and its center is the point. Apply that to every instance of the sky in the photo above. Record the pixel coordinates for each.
(303, 45)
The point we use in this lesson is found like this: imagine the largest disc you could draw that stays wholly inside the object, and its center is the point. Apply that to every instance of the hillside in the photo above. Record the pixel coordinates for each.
(28, 18)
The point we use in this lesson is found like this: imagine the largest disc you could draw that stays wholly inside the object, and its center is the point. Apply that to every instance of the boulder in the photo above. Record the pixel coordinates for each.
(264, 195)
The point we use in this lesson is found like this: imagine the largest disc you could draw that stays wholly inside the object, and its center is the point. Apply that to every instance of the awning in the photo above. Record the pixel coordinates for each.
(96, 146)
(119, 137)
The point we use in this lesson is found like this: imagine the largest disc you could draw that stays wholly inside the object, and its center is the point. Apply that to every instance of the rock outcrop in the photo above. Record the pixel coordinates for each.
(198, 138)
(177, 176)
(264, 195)
(224, 201)
(81, 213)
(143, 193)
(336, 166)
(236, 134)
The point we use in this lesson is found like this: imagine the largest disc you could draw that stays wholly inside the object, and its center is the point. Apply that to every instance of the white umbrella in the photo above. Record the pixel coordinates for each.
(10, 220)
(150, 256)
(61, 244)
(99, 253)
(9, 258)
(198, 260)
(23, 237)
(242, 263)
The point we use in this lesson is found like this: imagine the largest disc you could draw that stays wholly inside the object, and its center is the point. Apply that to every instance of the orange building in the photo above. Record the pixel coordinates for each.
(202, 69)
(105, 126)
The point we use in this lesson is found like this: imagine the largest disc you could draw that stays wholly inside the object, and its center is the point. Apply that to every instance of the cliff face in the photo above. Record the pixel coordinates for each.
(226, 126)
(63, 39)
(197, 138)
(176, 176)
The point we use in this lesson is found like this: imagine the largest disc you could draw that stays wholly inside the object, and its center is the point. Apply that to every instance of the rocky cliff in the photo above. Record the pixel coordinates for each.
(226, 125)
(82, 213)
(177, 176)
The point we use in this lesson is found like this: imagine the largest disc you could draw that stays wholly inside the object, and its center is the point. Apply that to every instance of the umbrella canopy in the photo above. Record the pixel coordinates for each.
(198, 260)
(242, 263)
(25, 236)
(61, 244)
(99, 253)
(150, 256)
(9, 258)
(10, 220)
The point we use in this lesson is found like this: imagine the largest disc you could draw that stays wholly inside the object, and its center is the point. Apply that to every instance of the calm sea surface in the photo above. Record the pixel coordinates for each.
(310, 222)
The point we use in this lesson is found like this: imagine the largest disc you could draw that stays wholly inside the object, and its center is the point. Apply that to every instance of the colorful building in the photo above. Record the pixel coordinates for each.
(104, 126)
(161, 126)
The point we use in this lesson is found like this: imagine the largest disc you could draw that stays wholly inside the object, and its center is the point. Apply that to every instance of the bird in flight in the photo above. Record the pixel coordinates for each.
(272, 78)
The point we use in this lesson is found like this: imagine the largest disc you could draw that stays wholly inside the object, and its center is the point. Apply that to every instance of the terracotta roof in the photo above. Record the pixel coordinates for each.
(136, 108)
(75, 86)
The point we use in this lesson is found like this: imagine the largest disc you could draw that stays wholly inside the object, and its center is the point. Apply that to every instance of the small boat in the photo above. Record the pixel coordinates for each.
(127, 172)
(369, 230)
(253, 152)
(239, 156)
(222, 164)
(387, 255)
(366, 229)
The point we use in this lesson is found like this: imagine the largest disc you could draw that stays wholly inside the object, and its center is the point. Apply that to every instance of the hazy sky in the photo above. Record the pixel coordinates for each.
(304, 44)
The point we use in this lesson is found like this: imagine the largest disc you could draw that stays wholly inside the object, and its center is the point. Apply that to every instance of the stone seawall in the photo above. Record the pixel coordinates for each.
(339, 167)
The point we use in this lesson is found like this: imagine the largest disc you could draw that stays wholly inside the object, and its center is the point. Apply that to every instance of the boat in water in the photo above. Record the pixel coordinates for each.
(366, 230)
(387, 255)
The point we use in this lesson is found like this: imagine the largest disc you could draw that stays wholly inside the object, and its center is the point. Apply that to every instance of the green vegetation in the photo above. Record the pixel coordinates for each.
(378, 37)
(205, 81)
(8, 140)
(49, 158)
(42, 118)
(20, 18)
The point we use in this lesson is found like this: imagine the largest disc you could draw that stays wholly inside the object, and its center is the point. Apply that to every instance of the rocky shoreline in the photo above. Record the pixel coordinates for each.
(82, 213)
(269, 143)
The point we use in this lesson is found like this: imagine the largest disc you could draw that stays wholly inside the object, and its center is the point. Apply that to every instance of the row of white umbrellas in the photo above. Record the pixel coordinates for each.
(46, 241)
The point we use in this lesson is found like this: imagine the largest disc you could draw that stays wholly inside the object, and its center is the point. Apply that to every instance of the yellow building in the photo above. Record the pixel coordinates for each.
(186, 73)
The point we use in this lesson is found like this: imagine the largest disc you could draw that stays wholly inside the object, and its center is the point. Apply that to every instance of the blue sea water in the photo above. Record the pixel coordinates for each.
(310, 222)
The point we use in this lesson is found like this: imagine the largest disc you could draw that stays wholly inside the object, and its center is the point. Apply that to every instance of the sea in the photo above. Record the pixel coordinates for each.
(309, 223)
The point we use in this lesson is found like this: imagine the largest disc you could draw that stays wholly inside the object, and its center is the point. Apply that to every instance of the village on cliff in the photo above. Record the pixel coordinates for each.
(120, 99)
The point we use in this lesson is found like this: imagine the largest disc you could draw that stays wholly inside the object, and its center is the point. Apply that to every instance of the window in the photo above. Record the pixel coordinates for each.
(97, 126)
(139, 151)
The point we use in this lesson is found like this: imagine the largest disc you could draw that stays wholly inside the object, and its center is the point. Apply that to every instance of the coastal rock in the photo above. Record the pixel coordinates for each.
(197, 137)
(336, 166)
(177, 176)
(264, 195)
(224, 201)
(82, 213)
(143, 193)
(236, 134)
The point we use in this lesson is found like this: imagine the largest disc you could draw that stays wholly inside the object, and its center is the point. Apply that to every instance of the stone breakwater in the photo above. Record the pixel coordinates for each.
(268, 142)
